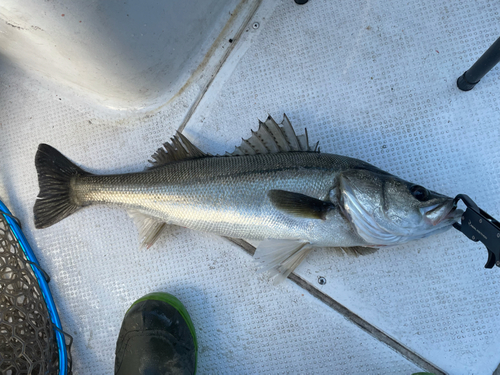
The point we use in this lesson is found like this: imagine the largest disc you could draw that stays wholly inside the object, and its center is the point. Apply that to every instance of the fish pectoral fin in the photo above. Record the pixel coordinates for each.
(358, 250)
(281, 256)
(150, 228)
(301, 205)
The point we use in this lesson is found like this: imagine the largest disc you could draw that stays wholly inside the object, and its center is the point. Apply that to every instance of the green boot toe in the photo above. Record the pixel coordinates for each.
(157, 337)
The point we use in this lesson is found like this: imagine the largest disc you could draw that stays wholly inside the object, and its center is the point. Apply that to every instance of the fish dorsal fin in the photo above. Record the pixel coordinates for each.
(179, 148)
(272, 138)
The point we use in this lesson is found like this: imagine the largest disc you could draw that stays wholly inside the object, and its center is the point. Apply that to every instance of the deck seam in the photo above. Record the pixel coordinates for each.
(375, 332)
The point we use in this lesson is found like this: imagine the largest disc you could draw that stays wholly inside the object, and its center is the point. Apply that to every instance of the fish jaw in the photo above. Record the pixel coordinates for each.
(442, 214)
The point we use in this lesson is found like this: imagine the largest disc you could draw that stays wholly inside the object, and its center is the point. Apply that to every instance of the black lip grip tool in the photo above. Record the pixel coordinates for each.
(478, 225)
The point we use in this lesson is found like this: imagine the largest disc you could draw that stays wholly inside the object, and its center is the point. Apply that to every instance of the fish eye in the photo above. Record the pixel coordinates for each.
(419, 192)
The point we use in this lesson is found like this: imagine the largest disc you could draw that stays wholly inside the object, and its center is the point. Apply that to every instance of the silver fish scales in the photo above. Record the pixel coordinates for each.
(229, 195)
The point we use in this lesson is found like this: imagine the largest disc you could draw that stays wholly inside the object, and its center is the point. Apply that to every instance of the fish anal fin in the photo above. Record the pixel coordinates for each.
(281, 256)
(149, 228)
(300, 205)
(179, 148)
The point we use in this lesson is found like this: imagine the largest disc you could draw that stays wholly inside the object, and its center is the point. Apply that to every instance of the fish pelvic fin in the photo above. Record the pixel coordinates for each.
(55, 173)
(359, 250)
(281, 257)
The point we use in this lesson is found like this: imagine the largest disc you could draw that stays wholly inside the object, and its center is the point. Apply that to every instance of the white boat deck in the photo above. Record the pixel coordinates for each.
(375, 80)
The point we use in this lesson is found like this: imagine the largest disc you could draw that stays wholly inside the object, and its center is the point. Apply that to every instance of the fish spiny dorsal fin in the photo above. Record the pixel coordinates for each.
(267, 137)
(304, 141)
(244, 149)
(277, 134)
(272, 138)
(257, 141)
(290, 135)
(180, 148)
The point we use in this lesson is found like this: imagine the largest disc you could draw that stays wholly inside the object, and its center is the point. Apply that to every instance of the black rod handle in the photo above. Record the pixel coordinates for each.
(483, 65)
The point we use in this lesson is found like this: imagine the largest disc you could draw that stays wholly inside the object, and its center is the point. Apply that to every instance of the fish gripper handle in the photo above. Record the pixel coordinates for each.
(478, 225)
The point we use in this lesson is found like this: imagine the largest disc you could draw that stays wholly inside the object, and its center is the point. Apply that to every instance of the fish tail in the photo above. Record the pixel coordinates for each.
(55, 201)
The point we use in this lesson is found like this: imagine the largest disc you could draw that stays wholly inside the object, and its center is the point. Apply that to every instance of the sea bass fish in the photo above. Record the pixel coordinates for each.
(274, 187)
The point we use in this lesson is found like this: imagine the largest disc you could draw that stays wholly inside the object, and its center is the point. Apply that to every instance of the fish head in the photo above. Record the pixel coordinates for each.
(386, 210)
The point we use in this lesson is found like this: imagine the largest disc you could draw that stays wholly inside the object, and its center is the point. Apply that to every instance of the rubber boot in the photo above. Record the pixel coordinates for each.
(157, 337)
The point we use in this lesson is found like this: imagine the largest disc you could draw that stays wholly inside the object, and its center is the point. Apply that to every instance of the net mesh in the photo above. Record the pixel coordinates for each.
(27, 338)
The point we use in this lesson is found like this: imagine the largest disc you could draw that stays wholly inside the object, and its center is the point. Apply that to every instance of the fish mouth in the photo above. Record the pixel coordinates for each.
(442, 214)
